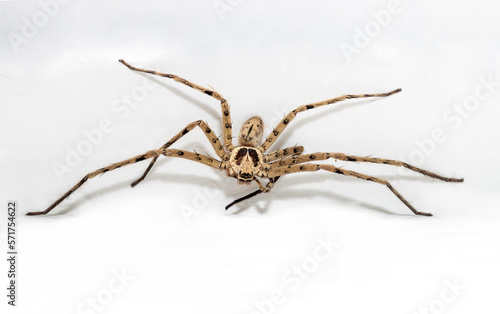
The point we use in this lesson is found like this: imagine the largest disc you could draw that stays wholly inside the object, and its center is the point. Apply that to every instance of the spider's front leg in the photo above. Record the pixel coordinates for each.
(226, 117)
(278, 130)
(226, 114)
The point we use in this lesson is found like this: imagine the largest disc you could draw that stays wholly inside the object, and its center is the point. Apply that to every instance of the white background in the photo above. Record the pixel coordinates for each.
(181, 251)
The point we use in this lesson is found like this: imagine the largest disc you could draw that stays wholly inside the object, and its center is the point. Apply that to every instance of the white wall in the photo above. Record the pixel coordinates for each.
(60, 79)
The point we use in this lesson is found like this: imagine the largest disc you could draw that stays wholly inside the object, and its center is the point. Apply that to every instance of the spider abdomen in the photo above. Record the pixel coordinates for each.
(251, 132)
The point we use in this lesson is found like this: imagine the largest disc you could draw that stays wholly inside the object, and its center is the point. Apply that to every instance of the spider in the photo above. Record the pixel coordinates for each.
(249, 161)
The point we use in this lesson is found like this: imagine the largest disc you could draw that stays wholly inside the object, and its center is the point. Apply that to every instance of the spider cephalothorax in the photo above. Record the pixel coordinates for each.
(248, 161)
(244, 164)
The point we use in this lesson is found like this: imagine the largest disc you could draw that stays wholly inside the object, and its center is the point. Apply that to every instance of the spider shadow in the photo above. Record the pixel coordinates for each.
(262, 202)
(262, 205)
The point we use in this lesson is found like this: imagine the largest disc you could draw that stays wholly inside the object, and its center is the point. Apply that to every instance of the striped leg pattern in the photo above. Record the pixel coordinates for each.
(226, 114)
(278, 130)
(216, 144)
(284, 152)
(209, 161)
(279, 171)
(292, 160)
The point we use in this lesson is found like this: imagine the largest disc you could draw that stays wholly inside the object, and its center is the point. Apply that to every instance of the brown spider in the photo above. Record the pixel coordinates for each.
(248, 161)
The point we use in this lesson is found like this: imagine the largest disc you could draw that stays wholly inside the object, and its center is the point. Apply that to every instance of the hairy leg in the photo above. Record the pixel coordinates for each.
(214, 141)
(340, 156)
(209, 161)
(280, 171)
(284, 152)
(226, 114)
(90, 175)
(278, 130)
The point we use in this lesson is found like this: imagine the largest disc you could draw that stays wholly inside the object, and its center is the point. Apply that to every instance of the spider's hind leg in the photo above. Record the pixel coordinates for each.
(91, 175)
(279, 171)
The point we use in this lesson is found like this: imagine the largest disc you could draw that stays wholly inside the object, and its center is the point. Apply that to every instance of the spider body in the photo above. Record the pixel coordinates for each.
(246, 161)
(249, 161)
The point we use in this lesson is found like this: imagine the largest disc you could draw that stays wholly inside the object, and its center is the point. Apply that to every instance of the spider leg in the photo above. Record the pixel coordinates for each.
(284, 152)
(262, 188)
(269, 186)
(396, 163)
(340, 156)
(206, 160)
(226, 114)
(90, 175)
(279, 171)
(203, 159)
(214, 141)
(273, 136)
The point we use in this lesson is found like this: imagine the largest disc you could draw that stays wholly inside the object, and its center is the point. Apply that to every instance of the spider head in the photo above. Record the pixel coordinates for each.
(244, 164)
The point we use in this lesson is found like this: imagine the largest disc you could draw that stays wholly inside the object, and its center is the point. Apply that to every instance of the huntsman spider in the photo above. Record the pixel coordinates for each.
(249, 161)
